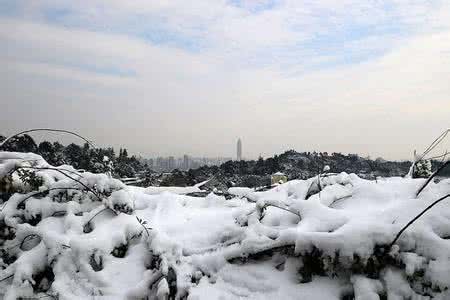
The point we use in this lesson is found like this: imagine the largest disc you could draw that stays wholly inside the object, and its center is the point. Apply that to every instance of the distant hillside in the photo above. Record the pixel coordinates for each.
(249, 173)
(296, 165)
(80, 157)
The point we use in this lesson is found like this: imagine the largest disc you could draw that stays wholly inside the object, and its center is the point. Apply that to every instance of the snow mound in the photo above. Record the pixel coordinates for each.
(69, 236)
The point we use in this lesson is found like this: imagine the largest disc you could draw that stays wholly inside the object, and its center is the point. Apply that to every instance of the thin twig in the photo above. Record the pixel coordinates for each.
(46, 191)
(439, 156)
(339, 199)
(433, 145)
(417, 217)
(157, 277)
(68, 176)
(48, 295)
(143, 223)
(33, 235)
(436, 142)
(105, 209)
(284, 208)
(274, 205)
(6, 278)
(431, 177)
(23, 241)
(61, 213)
(44, 168)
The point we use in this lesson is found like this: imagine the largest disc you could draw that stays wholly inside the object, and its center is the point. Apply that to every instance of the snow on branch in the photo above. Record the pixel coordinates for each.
(431, 147)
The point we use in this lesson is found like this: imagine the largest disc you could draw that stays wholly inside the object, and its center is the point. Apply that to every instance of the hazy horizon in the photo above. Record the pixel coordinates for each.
(67, 139)
(172, 78)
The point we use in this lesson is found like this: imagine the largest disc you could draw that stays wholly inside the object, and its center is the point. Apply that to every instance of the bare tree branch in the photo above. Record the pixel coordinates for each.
(431, 177)
(44, 168)
(68, 176)
(46, 191)
(6, 278)
(47, 129)
(433, 145)
(283, 208)
(415, 218)
(436, 142)
(103, 210)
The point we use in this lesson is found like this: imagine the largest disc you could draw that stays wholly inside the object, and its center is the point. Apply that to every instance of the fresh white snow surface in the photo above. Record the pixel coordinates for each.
(97, 238)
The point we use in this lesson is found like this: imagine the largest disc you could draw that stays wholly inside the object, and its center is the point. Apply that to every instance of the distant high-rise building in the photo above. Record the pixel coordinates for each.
(239, 150)
(186, 162)
(171, 163)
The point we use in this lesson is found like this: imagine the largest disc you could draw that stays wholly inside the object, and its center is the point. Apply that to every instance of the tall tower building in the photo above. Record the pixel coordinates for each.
(239, 150)
(186, 162)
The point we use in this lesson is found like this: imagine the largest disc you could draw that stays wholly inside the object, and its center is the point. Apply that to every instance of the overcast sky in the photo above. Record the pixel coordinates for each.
(174, 77)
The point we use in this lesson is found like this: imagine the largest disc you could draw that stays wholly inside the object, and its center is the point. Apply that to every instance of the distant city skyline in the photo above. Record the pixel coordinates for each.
(185, 162)
(229, 150)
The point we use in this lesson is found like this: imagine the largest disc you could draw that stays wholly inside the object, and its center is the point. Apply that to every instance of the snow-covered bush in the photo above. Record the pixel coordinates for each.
(67, 235)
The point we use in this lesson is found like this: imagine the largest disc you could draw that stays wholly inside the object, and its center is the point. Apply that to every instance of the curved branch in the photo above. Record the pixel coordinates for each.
(48, 129)
(44, 168)
(440, 156)
(99, 212)
(32, 235)
(433, 145)
(431, 177)
(46, 191)
(20, 245)
(274, 205)
(339, 199)
(284, 208)
(415, 218)
(6, 278)
(68, 176)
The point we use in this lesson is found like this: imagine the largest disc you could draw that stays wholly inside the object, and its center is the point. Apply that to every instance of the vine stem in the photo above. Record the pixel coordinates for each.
(6, 278)
(99, 212)
(47, 129)
(433, 145)
(46, 191)
(67, 175)
(284, 208)
(415, 218)
(43, 168)
(274, 205)
(32, 235)
(432, 176)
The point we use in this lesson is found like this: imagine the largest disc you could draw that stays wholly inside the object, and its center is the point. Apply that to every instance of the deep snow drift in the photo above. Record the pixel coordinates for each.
(65, 235)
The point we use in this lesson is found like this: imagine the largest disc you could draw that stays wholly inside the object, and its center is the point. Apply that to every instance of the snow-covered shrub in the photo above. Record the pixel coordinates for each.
(120, 201)
(71, 236)
(36, 195)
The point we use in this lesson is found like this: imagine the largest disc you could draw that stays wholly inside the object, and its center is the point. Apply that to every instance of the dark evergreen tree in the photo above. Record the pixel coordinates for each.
(22, 143)
(59, 158)
(46, 150)
(73, 155)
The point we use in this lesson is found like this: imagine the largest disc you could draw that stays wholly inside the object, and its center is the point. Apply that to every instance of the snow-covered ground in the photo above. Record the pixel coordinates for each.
(92, 236)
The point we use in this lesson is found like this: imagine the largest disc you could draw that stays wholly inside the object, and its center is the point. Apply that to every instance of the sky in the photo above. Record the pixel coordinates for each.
(173, 77)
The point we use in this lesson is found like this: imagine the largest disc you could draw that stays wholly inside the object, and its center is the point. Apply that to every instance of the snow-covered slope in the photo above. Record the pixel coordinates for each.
(70, 236)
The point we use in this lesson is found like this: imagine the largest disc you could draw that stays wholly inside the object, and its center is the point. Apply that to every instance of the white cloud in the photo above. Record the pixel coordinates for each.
(174, 100)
